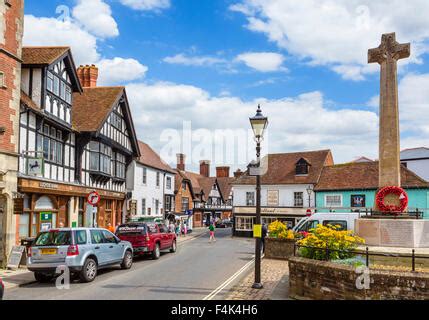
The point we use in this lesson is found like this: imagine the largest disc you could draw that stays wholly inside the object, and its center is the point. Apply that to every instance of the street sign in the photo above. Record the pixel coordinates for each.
(93, 198)
(45, 216)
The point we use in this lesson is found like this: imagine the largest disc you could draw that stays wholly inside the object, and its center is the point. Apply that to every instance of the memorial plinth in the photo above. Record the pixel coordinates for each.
(402, 233)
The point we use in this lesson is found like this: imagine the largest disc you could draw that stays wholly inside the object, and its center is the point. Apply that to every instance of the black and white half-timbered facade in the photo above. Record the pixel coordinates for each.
(106, 145)
(75, 138)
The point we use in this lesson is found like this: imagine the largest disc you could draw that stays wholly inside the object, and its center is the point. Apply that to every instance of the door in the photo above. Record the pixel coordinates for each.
(165, 237)
(114, 250)
(99, 246)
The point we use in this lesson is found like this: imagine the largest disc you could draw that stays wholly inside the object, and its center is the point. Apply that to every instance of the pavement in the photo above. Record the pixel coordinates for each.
(198, 270)
(274, 278)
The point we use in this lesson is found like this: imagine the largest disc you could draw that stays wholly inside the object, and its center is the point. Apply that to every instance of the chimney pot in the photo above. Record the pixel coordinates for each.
(205, 168)
(181, 161)
(238, 173)
(88, 75)
(222, 172)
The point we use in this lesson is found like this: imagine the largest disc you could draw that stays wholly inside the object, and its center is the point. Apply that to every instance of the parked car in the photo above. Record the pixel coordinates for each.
(224, 223)
(83, 250)
(1, 289)
(148, 238)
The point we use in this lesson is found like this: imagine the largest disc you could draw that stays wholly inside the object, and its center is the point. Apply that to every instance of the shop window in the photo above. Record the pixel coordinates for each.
(244, 224)
(156, 207)
(24, 225)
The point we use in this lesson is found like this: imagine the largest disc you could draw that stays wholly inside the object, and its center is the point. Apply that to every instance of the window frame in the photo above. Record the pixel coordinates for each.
(295, 203)
(252, 202)
(333, 195)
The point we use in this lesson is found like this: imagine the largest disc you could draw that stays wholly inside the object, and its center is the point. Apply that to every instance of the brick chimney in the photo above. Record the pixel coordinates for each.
(205, 168)
(181, 161)
(238, 173)
(88, 75)
(222, 172)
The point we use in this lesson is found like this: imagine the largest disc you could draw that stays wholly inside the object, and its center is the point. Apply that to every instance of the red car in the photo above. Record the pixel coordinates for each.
(147, 238)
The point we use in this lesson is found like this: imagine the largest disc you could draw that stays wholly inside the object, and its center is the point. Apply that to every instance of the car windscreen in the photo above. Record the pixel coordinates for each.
(131, 230)
(54, 238)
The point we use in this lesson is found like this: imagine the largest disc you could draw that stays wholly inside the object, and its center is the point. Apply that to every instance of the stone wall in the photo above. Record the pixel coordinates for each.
(322, 280)
(279, 248)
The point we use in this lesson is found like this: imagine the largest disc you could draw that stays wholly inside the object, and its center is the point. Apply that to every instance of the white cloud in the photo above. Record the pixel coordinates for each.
(120, 71)
(262, 61)
(193, 61)
(147, 5)
(297, 123)
(81, 34)
(338, 34)
(96, 17)
(53, 32)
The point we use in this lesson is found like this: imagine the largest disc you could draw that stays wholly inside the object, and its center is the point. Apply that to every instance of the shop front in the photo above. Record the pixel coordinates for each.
(52, 205)
(244, 218)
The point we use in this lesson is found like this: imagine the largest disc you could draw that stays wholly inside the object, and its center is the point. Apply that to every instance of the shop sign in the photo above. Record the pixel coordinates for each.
(35, 166)
(273, 197)
(15, 257)
(18, 205)
(45, 216)
(48, 185)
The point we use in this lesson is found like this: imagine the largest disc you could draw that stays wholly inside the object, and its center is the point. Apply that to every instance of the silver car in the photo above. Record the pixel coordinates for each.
(82, 250)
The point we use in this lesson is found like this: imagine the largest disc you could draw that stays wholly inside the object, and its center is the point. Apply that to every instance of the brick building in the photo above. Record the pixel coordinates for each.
(200, 196)
(11, 32)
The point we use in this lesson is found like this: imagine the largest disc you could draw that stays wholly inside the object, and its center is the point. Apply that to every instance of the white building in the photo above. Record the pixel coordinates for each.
(286, 189)
(151, 183)
(417, 160)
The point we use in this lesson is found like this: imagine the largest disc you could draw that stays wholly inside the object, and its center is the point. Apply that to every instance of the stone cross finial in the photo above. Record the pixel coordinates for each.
(387, 55)
(389, 49)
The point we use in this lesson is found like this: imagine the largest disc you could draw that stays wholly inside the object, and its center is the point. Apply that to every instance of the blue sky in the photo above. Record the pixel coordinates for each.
(306, 64)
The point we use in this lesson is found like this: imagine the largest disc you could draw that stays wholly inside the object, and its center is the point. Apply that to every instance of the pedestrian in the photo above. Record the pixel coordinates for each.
(61, 225)
(177, 230)
(212, 232)
(185, 229)
(172, 227)
(110, 228)
(263, 236)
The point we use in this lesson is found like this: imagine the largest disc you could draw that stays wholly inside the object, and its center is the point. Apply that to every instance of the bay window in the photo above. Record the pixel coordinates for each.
(100, 157)
(50, 141)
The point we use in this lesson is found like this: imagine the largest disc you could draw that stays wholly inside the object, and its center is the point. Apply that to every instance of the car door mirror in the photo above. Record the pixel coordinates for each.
(117, 240)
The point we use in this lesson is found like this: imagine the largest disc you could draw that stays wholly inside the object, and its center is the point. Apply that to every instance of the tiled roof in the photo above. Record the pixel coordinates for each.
(281, 168)
(91, 108)
(225, 185)
(362, 175)
(42, 55)
(150, 158)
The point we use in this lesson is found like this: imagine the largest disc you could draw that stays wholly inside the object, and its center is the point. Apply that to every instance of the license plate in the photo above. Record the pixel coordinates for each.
(49, 251)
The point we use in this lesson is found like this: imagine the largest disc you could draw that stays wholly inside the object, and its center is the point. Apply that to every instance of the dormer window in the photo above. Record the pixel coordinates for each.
(302, 167)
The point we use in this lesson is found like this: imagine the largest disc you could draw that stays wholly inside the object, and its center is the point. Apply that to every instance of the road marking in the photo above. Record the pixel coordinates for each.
(228, 281)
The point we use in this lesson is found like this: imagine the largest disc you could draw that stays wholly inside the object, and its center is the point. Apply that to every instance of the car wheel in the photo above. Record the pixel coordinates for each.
(127, 262)
(173, 247)
(156, 252)
(41, 277)
(89, 270)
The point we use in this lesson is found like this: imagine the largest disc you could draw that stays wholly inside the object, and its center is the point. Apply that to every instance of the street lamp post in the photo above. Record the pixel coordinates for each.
(259, 124)
(309, 191)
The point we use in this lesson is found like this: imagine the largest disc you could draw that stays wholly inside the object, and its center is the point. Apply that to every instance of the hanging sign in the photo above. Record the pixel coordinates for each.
(93, 198)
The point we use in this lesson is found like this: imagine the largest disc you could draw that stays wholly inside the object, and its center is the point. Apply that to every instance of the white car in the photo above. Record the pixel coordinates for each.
(346, 220)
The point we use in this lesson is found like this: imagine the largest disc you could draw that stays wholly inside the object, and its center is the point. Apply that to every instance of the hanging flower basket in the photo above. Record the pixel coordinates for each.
(388, 208)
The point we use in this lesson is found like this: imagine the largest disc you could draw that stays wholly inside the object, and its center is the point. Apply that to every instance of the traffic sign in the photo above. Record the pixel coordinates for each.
(93, 198)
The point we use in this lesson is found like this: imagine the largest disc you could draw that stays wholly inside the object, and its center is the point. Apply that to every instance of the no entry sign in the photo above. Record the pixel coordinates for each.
(93, 198)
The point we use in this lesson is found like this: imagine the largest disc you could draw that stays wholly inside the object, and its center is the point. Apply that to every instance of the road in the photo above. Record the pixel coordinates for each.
(194, 272)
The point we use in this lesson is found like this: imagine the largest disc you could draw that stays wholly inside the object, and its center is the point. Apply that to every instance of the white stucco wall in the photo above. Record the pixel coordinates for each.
(148, 191)
(417, 161)
(286, 194)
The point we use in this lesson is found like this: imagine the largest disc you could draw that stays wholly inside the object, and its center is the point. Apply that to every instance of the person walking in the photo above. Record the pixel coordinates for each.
(263, 236)
(110, 228)
(177, 230)
(212, 232)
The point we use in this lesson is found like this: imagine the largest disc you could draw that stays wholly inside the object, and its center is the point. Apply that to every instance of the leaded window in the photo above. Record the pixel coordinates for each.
(50, 141)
